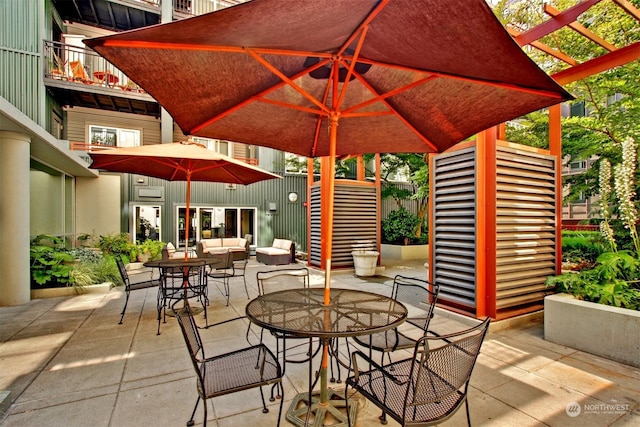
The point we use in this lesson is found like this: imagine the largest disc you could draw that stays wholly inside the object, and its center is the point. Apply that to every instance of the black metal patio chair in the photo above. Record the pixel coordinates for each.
(278, 280)
(181, 283)
(227, 269)
(129, 285)
(427, 388)
(420, 297)
(227, 373)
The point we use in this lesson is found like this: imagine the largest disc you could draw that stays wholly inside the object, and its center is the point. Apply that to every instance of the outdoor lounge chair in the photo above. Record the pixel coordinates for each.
(427, 388)
(238, 370)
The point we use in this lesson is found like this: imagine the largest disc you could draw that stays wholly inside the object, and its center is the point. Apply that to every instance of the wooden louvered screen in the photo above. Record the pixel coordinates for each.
(355, 219)
(526, 224)
(453, 229)
(494, 241)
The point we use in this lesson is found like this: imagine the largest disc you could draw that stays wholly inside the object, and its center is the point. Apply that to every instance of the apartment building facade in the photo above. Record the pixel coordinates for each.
(59, 101)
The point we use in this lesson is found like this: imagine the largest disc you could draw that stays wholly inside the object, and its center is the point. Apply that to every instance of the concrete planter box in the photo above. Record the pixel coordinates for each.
(610, 332)
(101, 288)
(404, 252)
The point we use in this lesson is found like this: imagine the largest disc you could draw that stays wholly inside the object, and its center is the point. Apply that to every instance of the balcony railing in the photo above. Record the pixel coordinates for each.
(83, 146)
(84, 67)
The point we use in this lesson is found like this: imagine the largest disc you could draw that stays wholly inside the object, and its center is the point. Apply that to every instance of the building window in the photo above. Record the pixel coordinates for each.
(217, 145)
(114, 137)
(578, 166)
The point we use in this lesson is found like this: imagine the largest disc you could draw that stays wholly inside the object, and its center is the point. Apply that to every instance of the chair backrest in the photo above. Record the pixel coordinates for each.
(446, 364)
(281, 279)
(123, 271)
(420, 297)
(191, 336)
(79, 73)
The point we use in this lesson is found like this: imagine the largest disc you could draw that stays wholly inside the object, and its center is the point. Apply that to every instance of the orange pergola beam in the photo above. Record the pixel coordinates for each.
(605, 62)
(561, 20)
(544, 48)
(581, 29)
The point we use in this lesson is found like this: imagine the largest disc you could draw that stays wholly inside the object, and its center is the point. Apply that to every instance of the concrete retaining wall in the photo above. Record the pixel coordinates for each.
(598, 329)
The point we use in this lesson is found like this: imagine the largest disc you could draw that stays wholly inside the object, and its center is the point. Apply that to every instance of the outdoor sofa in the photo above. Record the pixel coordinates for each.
(281, 251)
(238, 246)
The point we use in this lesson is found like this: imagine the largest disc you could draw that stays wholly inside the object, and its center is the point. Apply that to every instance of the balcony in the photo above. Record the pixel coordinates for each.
(122, 15)
(78, 77)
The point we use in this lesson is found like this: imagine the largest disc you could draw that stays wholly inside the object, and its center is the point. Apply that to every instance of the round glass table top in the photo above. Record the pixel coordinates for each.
(301, 312)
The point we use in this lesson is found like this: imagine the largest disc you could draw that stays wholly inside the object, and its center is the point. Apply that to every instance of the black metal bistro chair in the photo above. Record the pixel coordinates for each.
(227, 269)
(226, 373)
(181, 283)
(129, 285)
(427, 388)
(279, 280)
(420, 297)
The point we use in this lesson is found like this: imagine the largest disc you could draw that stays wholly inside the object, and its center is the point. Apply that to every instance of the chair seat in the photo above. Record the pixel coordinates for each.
(386, 341)
(239, 371)
(374, 385)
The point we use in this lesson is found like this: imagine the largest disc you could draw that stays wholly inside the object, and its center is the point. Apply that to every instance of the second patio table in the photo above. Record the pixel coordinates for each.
(301, 312)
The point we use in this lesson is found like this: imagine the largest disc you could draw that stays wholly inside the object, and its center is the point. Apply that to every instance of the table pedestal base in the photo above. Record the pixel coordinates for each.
(333, 413)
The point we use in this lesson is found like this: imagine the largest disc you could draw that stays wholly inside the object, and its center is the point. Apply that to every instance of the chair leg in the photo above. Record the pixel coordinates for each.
(126, 301)
(244, 279)
(466, 404)
(191, 422)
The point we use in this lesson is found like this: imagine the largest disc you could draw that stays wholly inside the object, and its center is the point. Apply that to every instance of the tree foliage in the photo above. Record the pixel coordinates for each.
(611, 99)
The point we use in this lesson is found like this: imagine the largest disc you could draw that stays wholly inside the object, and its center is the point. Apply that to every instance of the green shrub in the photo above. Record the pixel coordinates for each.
(116, 244)
(582, 248)
(49, 262)
(398, 226)
(613, 281)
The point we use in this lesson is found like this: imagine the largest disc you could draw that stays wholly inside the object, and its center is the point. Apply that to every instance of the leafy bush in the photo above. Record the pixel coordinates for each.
(398, 226)
(613, 281)
(49, 261)
(116, 244)
(580, 249)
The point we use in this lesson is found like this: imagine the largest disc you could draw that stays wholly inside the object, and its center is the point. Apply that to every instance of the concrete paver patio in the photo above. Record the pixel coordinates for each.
(67, 362)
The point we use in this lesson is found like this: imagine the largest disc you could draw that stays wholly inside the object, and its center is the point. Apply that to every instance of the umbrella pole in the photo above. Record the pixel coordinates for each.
(324, 393)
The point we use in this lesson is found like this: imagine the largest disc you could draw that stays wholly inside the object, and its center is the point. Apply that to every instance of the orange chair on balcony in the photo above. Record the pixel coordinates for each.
(79, 73)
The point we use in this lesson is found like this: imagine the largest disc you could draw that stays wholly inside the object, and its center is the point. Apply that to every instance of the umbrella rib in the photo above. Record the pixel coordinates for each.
(316, 134)
(365, 24)
(476, 80)
(391, 93)
(350, 67)
(287, 80)
(139, 44)
(261, 96)
(399, 116)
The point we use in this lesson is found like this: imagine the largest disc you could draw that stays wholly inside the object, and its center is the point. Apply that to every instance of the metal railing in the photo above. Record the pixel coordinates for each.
(89, 147)
(83, 66)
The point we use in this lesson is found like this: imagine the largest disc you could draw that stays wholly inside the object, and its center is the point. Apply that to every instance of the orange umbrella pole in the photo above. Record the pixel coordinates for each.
(333, 128)
(186, 222)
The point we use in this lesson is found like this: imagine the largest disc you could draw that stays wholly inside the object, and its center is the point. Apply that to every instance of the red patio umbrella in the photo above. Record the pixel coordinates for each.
(336, 77)
(327, 78)
(181, 161)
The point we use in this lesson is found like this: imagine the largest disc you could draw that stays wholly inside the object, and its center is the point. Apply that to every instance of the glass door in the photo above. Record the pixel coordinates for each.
(193, 224)
(146, 220)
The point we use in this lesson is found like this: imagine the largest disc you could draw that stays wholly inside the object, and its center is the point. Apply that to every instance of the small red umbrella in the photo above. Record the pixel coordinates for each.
(181, 161)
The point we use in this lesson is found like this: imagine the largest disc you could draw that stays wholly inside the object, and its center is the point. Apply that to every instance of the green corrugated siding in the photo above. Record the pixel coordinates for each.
(20, 59)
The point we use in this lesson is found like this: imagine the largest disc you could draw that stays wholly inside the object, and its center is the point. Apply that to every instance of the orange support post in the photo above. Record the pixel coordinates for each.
(486, 224)
(555, 147)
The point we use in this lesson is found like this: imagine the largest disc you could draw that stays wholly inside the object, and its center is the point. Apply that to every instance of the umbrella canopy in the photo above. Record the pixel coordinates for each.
(182, 161)
(334, 77)
(399, 75)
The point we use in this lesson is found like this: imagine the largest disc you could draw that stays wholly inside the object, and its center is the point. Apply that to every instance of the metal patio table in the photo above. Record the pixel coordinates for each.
(302, 313)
